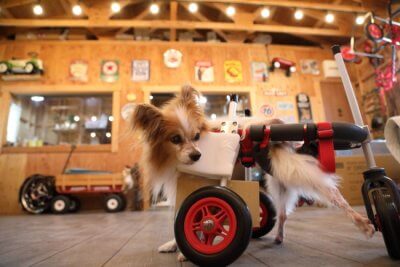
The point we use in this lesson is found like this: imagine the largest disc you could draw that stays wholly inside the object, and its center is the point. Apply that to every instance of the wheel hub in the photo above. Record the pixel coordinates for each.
(208, 225)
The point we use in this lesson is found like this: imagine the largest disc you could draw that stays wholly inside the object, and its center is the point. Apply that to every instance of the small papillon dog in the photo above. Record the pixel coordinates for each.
(170, 134)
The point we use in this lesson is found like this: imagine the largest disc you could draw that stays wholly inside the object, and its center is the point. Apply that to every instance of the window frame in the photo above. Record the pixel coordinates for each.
(8, 90)
(251, 90)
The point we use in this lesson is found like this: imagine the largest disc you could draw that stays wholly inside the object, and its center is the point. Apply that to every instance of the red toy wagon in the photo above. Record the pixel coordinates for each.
(40, 193)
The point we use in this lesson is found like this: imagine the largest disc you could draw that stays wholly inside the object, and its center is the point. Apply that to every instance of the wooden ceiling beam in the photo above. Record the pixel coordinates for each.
(5, 13)
(165, 24)
(140, 16)
(173, 14)
(203, 18)
(14, 3)
(286, 3)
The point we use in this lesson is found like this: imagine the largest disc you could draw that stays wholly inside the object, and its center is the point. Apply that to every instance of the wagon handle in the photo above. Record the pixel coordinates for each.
(73, 147)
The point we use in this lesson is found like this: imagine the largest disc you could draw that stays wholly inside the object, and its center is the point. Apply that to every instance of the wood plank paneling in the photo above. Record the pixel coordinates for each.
(12, 174)
(58, 55)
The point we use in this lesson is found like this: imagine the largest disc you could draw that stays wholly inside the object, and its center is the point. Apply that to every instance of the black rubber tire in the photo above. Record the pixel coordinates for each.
(74, 204)
(116, 206)
(33, 202)
(271, 217)
(388, 221)
(240, 240)
(60, 204)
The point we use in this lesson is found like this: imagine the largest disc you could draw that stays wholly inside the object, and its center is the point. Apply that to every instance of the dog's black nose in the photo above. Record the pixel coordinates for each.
(195, 156)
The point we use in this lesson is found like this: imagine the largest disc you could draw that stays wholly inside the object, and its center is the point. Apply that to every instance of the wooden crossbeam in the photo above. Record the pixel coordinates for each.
(285, 3)
(14, 3)
(165, 24)
(173, 12)
(203, 18)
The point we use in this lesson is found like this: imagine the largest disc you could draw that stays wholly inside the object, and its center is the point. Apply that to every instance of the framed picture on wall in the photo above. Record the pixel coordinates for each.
(233, 71)
(204, 71)
(309, 66)
(109, 71)
(78, 71)
(140, 70)
(259, 71)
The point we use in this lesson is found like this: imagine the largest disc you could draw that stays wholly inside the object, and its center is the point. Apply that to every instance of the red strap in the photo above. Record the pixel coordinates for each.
(326, 151)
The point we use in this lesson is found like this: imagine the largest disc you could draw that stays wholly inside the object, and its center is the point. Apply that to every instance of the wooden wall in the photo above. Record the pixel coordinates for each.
(57, 56)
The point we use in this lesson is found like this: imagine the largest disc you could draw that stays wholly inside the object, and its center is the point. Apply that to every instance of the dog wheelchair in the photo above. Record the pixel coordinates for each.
(213, 225)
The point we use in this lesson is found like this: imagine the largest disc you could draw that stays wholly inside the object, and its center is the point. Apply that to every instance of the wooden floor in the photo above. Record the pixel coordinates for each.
(315, 237)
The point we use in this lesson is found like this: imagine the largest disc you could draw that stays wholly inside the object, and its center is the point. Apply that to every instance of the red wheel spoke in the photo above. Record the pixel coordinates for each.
(221, 231)
(196, 226)
(209, 239)
(205, 211)
(220, 216)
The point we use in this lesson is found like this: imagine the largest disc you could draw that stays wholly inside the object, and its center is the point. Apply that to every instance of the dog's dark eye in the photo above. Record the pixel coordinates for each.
(176, 139)
(196, 137)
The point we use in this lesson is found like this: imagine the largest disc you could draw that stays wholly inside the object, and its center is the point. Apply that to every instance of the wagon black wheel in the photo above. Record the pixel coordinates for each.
(36, 194)
(60, 204)
(74, 204)
(114, 203)
(387, 219)
(213, 226)
(267, 216)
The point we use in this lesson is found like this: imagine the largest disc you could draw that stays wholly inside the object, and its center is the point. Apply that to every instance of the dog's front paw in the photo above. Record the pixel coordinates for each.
(170, 246)
(181, 257)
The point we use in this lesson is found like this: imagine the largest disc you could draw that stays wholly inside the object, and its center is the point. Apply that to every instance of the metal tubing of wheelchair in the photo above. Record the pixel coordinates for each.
(355, 110)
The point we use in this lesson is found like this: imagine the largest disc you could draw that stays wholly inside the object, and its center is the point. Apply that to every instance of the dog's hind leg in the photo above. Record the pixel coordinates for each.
(170, 246)
(281, 225)
(283, 199)
(362, 222)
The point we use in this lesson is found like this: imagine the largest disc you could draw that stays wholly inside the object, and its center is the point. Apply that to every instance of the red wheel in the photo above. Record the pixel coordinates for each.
(374, 32)
(213, 226)
(347, 55)
(267, 217)
(210, 225)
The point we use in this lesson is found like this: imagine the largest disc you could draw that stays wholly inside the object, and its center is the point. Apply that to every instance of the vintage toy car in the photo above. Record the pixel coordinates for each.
(21, 66)
(284, 64)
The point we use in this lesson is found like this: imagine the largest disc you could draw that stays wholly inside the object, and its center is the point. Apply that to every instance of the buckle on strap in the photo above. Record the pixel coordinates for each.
(324, 130)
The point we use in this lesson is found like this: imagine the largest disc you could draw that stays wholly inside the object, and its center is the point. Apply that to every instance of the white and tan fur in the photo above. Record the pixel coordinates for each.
(159, 128)
(292, 174)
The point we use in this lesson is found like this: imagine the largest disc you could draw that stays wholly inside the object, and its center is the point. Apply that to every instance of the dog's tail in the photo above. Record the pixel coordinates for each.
(301, 172)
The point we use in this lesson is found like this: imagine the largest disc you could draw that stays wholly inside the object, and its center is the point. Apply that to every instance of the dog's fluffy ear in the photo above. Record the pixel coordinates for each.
(189, 95)
(189, 98)
(148, 119)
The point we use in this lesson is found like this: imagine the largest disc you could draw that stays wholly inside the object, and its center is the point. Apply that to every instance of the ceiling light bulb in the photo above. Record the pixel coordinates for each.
(360, 20)
(265, 12)
(298, 14)
(193, 7)
(329, 18)
(37, 98)
(230, 11)
(93, 134)
(38, 10)
(115, 7)
(154, 9)
(108, 134)
(77, 10)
